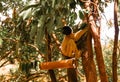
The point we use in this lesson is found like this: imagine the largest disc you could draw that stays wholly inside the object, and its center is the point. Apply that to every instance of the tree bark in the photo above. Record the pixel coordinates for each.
(72, 75)
(48, 41)
(98, 51)
(88, 62)
(114, 54)
(97, 43)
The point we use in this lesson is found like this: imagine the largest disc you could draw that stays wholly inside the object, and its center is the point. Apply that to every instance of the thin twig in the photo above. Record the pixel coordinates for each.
(33, 76)
(4, 63)
(6, 54)
(56, 39)
(37, 49)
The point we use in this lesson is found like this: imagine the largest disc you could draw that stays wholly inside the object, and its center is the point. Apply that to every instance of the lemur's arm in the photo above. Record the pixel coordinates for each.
(78, 34)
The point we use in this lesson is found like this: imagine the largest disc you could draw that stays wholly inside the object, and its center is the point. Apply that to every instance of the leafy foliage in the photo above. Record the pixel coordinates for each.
(22, 33)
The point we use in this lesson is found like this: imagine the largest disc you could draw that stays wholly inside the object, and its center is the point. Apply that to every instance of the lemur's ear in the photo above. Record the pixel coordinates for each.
(66, 30)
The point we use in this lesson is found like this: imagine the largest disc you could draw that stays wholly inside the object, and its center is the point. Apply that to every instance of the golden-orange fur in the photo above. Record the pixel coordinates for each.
(68, 46)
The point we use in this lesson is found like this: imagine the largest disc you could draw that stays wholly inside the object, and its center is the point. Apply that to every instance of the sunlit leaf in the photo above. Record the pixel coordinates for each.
(30, 6)
(53, 3)
(40, 30)
(26, 14)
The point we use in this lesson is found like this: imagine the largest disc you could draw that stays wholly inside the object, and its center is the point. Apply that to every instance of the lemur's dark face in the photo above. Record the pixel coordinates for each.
(66, 30)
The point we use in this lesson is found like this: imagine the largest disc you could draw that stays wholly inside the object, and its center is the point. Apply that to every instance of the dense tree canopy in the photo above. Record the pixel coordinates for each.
(31, 32)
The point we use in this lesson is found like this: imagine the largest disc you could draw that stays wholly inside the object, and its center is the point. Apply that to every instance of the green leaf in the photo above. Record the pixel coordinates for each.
(1, 41)
(26, 14)
(33, 31)
(74, 15)
(101, 9)
(81, 14)
(53, 3)
(58, 22)
(41, 21)
(23, 67)
(58, 30)
(81, 3)
(65, 11)
(44, 3)
(30, 6)
(86, 11)
(73, 4)
(50, 24)
(1, 7)
(40, 30)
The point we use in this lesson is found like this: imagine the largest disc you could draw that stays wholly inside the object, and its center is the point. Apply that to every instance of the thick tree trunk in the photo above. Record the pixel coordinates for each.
(51, 72)
(114, 58)
(88, 62)
(98, 51)
(97, 44)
